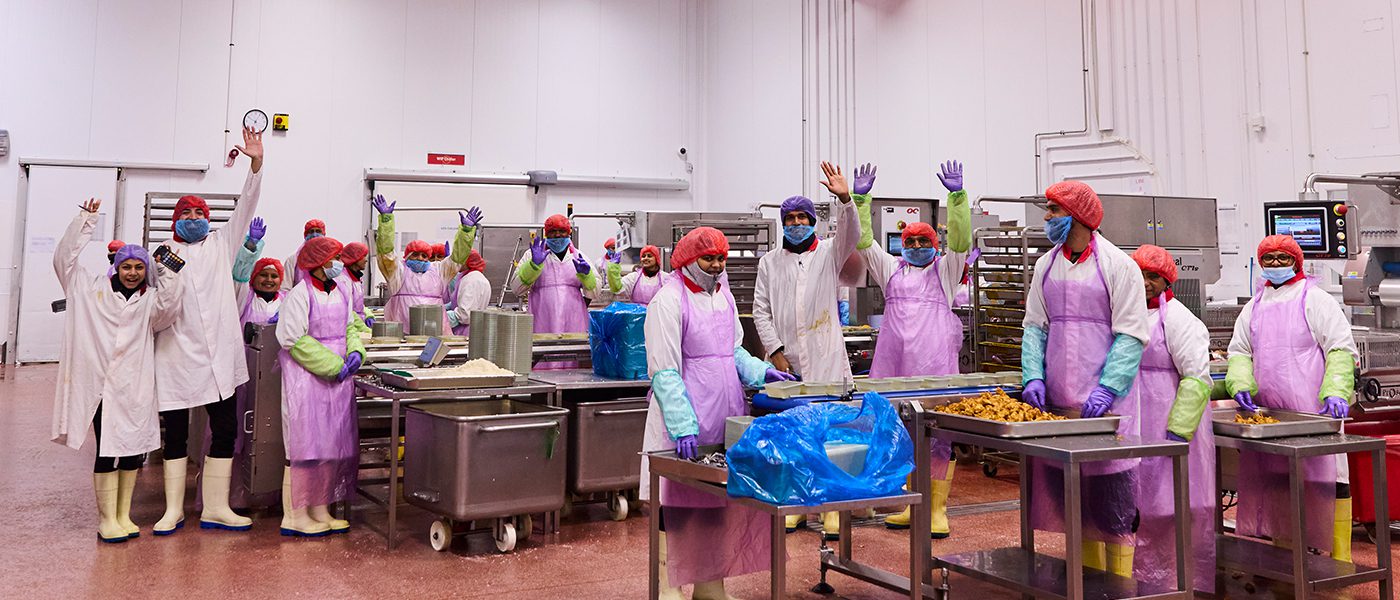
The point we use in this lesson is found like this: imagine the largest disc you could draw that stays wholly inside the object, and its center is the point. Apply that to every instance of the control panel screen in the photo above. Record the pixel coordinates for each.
(1318, 227)
(894, 243)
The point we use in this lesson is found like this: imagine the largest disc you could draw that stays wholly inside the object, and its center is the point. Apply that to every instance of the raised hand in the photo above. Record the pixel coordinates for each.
(581, 265)
(90, 205)
(383, 206)
(537, 251)
(836, 182)
(471, 218)
(865, 179)
(951, 175)
(253, 147)
(256, 230)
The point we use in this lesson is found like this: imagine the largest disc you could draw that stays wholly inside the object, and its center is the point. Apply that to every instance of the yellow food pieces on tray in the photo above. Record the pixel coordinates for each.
(1254, 419)
(997, 406)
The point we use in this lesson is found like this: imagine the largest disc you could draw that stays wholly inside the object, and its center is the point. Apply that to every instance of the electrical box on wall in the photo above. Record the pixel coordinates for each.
(4, 143)
(280, 121)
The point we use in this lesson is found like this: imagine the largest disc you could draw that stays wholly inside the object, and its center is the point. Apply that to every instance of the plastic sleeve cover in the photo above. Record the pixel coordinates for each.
(462, 245)
(244, 262)
(1121, 368)
(867, 231)
(1339, 378)
(1033, 342)
(668, 390)
(959, 222)
(353, 343)
(1240, 376)
(589, 280)
(1192, 398)
(316, 358)
(614, 277)
(452, 318)
(384, 236)
(529, 271)
(752, 370)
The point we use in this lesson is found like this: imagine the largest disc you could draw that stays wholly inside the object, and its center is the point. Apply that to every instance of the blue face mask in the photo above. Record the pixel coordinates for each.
(919, 257)
(417, 266)
(796, 234)
(335, 270)
(1279, 275)
(192, 230)
(314, 235)
(1058, 229)
(558, 245)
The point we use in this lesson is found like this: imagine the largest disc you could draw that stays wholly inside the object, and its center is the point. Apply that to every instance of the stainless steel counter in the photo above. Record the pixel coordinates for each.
(578, 379)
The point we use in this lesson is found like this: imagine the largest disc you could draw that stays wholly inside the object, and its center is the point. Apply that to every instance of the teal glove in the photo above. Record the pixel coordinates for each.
(751, 370)
(1121, 368)
(668, 390)
(1033, 342)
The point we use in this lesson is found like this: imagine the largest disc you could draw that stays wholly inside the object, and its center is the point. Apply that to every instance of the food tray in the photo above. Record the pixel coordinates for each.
(437, 379)
(1291, 424)
(1073, 426)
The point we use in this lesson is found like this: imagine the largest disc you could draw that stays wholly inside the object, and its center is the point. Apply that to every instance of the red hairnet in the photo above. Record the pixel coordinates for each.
(1156, 259)
(610, 244)
(1282, 243)
(475, 262)
(417, 246)
(653, 251)
(187, 202)
(317, 251)
(313, 224)
(354, 252)
(1079, 200)
(439, 251)
(918, 228)
(264, 263)
(115, 245)
(699, 242)
(558, 223)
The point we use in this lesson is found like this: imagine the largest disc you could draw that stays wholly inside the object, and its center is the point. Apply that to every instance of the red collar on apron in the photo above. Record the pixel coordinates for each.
(1082, 256)
(1154, 302)
(690, 285)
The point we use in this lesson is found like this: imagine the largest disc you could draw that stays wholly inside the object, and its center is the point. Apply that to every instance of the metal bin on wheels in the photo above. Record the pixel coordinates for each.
(605, 445)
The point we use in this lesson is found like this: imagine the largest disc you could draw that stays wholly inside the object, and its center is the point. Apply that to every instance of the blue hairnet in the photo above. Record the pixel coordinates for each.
(799, 204)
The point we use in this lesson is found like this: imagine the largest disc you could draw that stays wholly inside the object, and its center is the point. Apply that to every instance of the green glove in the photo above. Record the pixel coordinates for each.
(1240, 376)
(614, 277)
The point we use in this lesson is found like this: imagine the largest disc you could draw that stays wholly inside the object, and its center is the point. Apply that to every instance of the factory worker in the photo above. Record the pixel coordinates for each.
(112, 248)
(313, 228)
(1174, 386)
(1085, 328)
(201, 355)
(355, 257)
(257, 281)
(107, 365)
(560, 283)
(470, 291)
(920, 334)
(416, 280)
(1292, 350)
(795, 300)
(698, 370)
(610, 256)
(641, 285)
(321, 351)
(439, 252)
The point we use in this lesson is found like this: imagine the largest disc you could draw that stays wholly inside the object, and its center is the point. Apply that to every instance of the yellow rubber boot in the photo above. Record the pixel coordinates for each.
(938, 507)
(901, 520)
(711, 590)
(1120, 559)
(1095, 556)
(663, 582)
(792, 522)
(831, 526)
(126, 486)
(109, 530)
(1341, 530)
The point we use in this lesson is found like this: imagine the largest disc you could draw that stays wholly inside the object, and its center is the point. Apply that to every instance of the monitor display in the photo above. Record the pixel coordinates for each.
(1308, 228)
(894, 243)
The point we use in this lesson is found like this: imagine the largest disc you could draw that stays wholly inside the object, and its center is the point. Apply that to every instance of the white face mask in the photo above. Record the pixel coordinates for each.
(701, 278)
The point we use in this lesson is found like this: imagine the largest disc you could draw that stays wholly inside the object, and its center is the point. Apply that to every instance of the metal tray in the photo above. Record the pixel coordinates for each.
(431, 379)
(1292, 424)
(1073, 426)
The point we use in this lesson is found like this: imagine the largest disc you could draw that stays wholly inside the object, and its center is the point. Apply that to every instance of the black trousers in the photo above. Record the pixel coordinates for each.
(223, 429)
(107, 464)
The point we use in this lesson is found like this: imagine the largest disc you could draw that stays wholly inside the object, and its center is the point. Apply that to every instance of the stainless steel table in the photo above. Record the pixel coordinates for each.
(380, 394)
(1308, 573)
(711, 480)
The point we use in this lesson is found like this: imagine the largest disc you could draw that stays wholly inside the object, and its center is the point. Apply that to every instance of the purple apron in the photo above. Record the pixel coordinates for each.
(450, 302)
(1288, 368)
(319, 427)
(1081, 333)
(1155, 562)
(920, 336)
(646, 288)
(558, 305)
(415, 289)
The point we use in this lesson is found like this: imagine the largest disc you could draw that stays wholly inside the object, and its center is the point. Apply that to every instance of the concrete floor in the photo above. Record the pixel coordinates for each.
(50, 549)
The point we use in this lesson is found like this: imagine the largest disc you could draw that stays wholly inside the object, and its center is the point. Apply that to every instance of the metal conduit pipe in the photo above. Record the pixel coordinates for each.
(1309, 192)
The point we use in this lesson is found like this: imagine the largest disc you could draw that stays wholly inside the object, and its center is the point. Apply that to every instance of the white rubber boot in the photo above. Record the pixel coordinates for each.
(663, 580)
(218, 473)
(174, 498)
(126, 486)
(322, 513)
(295, 521)
(108, 529)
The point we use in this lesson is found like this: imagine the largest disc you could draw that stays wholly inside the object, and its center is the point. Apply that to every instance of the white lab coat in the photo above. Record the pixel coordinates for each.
(1188, 340)
(289, 267)
(473, 293)
(201, 356)
(108, 353)
(1122, 275)
(794, 303)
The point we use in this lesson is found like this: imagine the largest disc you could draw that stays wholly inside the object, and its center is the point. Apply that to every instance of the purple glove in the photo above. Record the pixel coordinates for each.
(772, 375)
(383, 206)
(581, 265)
(1246, 401)
(1176, 438)
(951, 175)
(537, 251)
(471, 218)
(1100, 400)
(865, 179)
(688, 447)
(352, 365)
(369, 321)
(613, 257)
(447, 247)
(1034, 394)
(256, 230)
(1335, 407)
(274, 318)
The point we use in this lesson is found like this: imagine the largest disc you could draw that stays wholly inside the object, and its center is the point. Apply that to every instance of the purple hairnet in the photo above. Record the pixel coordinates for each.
(798, 204)
(130, 251)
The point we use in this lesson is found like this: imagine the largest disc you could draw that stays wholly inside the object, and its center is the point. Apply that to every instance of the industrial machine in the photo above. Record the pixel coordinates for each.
(263, 453)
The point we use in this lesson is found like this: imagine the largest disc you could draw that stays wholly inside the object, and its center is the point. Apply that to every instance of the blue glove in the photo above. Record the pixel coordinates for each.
(771, 404)
(772, 375)
(1335, 407)
(581, 265)
(1246, 401)
(1176, 438)
(369, 321)
(1034, 393)
(352, 365)
(383, 206)
(471, 218)
(844, 308)
(1100, 400)
(688, 447)
(256, 230)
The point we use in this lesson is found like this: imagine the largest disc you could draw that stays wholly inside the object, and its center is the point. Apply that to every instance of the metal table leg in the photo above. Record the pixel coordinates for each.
(654, 539)
(1387, 585)
(1027, 531)
(1184, 565)
(1074, 535)
(777, 585)
(393, 499)
(1297, 530)
(1219, 523)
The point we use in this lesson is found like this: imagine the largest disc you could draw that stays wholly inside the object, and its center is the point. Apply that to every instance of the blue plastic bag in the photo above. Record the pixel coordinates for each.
(781, 459)
(617, 341)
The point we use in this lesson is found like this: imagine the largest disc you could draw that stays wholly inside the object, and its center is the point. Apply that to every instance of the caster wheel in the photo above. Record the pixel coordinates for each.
(989, 469)
(1371, 532)
(824, 589)
(505, 537)
(440, 535)
(617, 507)
(524, 526)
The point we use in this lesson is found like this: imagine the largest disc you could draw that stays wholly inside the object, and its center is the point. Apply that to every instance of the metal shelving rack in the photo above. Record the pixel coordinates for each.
(749, 239)
(1000, 278)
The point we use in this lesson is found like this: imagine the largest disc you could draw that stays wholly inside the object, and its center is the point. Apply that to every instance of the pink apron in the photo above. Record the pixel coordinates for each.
(1288, 368)
(450, 301)
(558, 305)
(1155, 562)
(1081, 333)
(920, 336)
(319, 427)
(415, 289)
(646, 288)
(707, 538)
